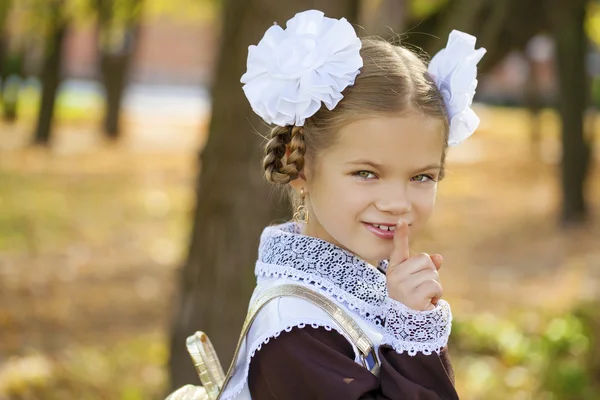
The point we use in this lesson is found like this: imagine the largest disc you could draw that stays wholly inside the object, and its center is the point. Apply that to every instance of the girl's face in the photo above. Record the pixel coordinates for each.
(380, 170)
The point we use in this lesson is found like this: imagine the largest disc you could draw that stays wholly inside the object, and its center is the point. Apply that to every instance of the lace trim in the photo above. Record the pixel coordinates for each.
(372, 313)
(285, 252)
(261, 341)
(411, 331)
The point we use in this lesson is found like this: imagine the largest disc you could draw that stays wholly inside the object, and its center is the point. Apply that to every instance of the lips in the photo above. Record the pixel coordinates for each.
(380, 230)
(383, 231)
(385, 227)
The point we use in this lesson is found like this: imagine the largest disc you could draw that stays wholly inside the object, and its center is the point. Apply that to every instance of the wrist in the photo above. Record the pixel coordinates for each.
(408, 330)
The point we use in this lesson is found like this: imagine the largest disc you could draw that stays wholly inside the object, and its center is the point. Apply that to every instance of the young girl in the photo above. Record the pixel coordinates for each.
(364, 170)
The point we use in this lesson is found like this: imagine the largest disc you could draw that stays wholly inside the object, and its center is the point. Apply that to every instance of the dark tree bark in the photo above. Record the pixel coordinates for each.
(533, 103)
(384, 18)
(500, 26)
(12, 76)
(115, 60)
(2, 61)
(5, 6)
(10, 63)
(51, 73)
(234, 202)
(571, 48)
(114, 69)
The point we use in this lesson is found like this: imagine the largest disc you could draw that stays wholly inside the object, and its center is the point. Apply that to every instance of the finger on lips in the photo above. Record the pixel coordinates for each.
(417, 281)
(400, 253)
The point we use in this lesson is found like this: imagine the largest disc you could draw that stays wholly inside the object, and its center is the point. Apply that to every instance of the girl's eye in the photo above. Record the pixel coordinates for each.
(365, 174)
(423, 178)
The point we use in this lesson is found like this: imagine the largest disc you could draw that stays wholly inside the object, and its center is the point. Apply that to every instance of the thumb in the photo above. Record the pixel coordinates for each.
(438, 260)
(400, 253)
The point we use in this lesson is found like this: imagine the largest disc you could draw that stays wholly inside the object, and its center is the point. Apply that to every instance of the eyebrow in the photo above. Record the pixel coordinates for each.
(367, 162)
(431, 166)
(379, 166)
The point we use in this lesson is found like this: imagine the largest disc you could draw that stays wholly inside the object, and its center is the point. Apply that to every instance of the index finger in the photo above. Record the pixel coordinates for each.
(401, 250)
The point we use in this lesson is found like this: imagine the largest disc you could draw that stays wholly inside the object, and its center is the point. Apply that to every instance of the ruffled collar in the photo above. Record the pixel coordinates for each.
(286, 253)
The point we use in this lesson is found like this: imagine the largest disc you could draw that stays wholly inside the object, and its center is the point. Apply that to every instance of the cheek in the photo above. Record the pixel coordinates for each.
(347, 195)
(424, 202)
(335, 198)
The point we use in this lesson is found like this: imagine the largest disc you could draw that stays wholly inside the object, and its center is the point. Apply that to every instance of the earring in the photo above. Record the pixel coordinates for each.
(301, 214)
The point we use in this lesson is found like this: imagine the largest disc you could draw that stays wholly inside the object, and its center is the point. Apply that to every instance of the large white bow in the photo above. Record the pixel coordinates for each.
(454, 70)
(292, 71)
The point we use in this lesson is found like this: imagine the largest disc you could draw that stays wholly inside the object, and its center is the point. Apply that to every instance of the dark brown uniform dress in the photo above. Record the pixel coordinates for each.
(314, 363)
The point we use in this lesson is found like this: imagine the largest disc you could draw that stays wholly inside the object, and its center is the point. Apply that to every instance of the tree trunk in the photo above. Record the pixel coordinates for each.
(532, 100)
(50, 78)
(234, 202)
(12, 78)
(2, 61)
(5, 6)
(500, 26)
(384, 18)
(114, 67)
(571, 45)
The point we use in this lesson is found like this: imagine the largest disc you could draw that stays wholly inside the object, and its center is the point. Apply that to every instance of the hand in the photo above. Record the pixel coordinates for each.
(413, 281)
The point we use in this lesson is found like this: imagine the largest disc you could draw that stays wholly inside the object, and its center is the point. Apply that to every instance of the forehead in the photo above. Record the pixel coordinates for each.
(412, 140)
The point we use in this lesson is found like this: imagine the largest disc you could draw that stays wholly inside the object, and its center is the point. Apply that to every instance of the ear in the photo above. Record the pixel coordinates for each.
(299, 183)
(304, 178)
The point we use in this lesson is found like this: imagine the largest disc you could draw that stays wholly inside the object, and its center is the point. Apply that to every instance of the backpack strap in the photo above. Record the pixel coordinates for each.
(207, 363)
(345, 322)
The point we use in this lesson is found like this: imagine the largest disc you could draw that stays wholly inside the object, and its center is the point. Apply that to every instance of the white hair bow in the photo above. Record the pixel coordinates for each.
(292, 71)
(454, 70)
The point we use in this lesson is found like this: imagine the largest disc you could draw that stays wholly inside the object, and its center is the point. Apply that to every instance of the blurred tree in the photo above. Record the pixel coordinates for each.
(234, 203)
(500, 26)
(532, 101)
(538, 53)
(55, 24)
(118, 28)
(571, 53)
(183, 10)
(11, 66)
(5, 6)
(506, 25)
(592, 24)
(384, 18)
(12, 75)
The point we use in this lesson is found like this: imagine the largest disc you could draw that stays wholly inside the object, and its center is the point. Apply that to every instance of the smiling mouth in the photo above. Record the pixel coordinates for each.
(390, 228)
(383, 231)
(384, 227)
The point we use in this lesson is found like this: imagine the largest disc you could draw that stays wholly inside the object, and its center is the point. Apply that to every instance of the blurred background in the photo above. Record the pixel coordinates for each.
(132, 198)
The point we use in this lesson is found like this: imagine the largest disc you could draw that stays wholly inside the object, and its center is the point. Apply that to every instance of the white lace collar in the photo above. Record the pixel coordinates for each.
(285, 252)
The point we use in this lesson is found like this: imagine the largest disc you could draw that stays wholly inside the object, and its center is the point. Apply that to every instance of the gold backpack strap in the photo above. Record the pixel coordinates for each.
(345, 322)
(207, 365)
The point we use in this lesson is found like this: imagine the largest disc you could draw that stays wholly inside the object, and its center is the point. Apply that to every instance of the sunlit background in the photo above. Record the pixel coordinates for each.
(106, 105)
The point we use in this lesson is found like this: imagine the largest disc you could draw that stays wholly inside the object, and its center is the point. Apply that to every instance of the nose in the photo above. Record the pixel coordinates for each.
(394, 200)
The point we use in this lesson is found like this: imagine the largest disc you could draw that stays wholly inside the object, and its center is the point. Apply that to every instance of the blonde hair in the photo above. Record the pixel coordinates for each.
(392, 80)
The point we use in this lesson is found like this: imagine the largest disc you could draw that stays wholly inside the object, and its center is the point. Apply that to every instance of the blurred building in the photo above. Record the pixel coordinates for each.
(532, 70)
(169, 52)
